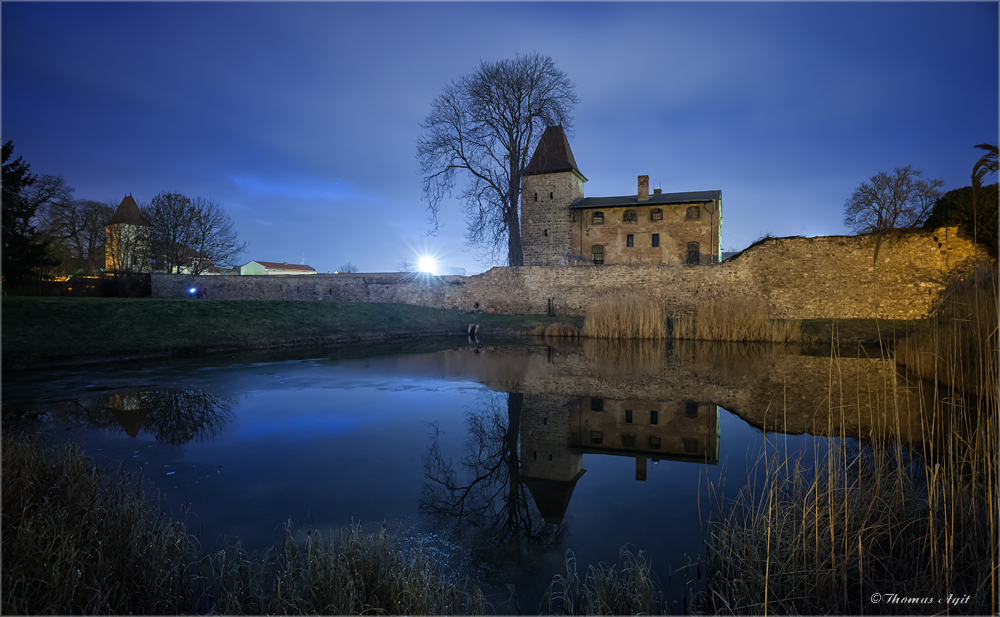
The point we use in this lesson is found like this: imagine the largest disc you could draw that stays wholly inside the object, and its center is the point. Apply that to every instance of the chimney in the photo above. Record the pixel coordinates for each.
(657, 191)
(643, 188)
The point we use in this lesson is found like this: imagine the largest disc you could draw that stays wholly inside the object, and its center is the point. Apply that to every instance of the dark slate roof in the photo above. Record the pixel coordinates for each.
(551, 496)
(664, 199)
(128, 214)
(552, 154)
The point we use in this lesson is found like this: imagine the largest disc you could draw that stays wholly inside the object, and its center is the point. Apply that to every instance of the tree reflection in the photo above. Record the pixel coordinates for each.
(171, 416)
(488, 494)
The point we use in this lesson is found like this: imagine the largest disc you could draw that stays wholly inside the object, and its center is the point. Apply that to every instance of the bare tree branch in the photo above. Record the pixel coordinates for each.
(483, 128)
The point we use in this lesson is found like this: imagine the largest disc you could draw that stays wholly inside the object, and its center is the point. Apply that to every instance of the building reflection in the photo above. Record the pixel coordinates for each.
(170, 416)
(557, 431)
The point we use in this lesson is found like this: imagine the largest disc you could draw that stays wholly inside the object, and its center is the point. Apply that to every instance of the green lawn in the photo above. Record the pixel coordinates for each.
(40, 330)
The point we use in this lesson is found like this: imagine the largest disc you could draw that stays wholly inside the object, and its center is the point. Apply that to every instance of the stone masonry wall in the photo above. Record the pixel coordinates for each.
(546, 223)
(800, 278)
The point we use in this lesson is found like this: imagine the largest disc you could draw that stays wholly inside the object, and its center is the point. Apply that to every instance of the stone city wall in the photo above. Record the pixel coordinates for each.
(800, 278)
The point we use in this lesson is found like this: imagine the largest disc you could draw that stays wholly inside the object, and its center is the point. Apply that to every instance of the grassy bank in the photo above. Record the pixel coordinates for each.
(39, 331)
(79, 541)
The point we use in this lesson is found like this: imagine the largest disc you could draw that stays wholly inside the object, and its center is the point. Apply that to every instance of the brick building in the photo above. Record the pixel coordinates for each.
(559, 226)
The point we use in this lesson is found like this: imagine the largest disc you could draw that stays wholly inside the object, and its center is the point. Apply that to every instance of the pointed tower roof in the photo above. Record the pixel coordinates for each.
(128, 214)
(552, 154)
(552, 496)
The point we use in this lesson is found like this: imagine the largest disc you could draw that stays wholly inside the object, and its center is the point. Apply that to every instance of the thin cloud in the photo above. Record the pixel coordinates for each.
(300, 188)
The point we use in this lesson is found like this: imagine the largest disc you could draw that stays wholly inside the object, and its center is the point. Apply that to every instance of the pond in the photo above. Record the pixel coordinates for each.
(501, 457)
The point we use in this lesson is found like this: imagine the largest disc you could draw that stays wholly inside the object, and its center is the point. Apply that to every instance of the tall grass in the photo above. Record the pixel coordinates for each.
(873, 524)
(963, 327)
(77, 542)
(745, 319)
(626, 588)
(625, 315)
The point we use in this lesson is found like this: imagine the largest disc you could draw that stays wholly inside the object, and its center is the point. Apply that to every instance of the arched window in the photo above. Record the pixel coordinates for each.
(597, 218)
(629, 216)
(693, 253)
(656, 214)
(598, 253)
(694, 213)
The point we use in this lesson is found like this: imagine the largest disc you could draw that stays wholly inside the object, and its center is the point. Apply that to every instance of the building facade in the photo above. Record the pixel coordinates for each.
(560, 226)
(273, 267)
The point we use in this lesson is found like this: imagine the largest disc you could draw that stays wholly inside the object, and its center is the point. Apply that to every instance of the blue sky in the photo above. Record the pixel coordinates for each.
(301, 119)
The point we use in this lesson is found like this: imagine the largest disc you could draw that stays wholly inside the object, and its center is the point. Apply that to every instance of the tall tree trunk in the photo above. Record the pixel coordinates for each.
(515, 255)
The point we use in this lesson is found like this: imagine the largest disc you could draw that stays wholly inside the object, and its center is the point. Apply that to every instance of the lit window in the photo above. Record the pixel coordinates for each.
(694, 213)
(656, 214)
(629, 216)
(598, 251)
(629, 240)
(597, 218)
(656, 239)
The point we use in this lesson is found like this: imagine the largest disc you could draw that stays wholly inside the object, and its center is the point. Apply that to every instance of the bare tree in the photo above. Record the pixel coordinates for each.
(214, 239)
(484, 128)
(347, 267)
(191, 234)
(901, 200)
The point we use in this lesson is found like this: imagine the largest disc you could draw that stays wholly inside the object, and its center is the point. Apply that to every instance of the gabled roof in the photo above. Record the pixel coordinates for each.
(128, 214)
(663, 199)
(552, 154)
(551, 496)
(273, 265)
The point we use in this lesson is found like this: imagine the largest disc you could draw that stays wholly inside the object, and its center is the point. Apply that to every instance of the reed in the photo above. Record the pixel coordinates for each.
(625, 314)
(743, 319)
(625, 588)
(78, 541)
(957, 344)
(872, 517)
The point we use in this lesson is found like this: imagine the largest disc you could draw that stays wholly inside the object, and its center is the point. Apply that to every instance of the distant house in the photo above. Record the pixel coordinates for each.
(272, 267)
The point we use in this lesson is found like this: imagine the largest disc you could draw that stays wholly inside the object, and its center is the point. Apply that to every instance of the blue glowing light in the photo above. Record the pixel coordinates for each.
(193, 290)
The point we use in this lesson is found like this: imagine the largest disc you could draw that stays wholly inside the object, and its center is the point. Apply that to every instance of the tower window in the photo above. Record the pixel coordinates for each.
(694, 213)
(597, 218)
(536, 196)
(656, 239)
(629, 216)
(693, 253)
(550, 196)
(656, 214)
(598, 252)
(630, 240)
(546, 233)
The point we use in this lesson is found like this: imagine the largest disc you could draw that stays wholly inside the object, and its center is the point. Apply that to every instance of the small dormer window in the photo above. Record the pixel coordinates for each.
(693, 213)
(597, 218)
(629, 216)
(656, 214)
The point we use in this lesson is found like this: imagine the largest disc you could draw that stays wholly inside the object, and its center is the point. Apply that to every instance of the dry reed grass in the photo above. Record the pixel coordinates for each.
(626, 357)
(957, 344)
(75, 541)
(625, 315)
(735, 319)
(627, 588)
(872, 515)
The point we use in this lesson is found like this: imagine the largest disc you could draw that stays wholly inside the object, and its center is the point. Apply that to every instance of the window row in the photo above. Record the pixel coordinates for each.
(693, 255)
(630, 216)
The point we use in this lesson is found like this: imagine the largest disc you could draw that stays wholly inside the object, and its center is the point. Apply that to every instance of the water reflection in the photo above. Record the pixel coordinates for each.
(170, 416)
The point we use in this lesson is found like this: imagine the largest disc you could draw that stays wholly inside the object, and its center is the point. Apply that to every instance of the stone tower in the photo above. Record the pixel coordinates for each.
(127, 244)
(549, 184)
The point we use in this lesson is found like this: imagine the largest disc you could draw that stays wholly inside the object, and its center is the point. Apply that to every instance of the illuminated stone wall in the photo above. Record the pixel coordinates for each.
(798, 277)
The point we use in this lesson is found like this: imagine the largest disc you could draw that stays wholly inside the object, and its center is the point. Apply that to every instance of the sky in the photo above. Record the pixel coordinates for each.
(301, 118)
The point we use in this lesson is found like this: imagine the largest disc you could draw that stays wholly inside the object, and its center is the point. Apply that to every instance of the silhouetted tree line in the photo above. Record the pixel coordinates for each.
(48, 233)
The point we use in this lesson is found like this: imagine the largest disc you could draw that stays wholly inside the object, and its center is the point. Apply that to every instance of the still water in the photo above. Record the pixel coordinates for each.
(502, 457)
